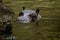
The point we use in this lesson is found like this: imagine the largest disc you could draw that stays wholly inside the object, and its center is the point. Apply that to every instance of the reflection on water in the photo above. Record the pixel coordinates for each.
(33, 27)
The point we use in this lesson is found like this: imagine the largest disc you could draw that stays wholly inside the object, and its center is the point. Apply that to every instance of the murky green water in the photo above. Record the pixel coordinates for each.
(48, 28)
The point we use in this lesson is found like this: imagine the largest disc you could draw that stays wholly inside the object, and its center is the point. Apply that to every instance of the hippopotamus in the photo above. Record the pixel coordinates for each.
(28, 16)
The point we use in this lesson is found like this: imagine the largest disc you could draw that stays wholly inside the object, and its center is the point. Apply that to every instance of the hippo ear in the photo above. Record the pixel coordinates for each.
(37, 10)
(23, 7)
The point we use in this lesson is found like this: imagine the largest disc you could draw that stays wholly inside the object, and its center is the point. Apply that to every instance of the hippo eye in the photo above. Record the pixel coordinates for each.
(30, 15)
(21, 13)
